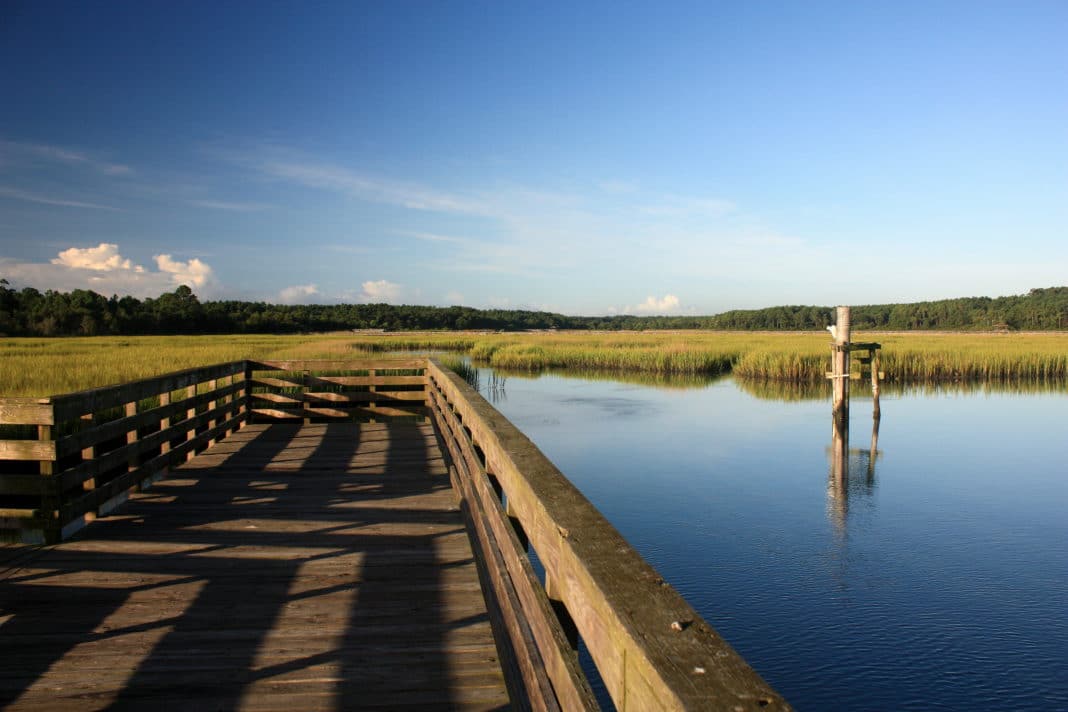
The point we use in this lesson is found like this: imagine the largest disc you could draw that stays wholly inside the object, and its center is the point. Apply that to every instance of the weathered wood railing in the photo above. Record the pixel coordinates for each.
(67, 459)
(651, 649)
(330, 390)
(82, 453)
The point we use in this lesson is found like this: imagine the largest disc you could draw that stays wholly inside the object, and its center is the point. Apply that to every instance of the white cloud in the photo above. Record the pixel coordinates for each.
(104, 257)
(193, 273)
(103, 269)
(454, 298)
(300, 293)
(667, 304)
(380, 291)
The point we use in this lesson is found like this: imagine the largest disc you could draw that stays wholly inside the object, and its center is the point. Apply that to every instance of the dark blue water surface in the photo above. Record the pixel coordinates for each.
(930, 574)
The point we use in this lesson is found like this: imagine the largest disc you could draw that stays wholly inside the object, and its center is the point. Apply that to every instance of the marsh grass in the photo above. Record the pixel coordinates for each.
(39, 367)
(984, 358)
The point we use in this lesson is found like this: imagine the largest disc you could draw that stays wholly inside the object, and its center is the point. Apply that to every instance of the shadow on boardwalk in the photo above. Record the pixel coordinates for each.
(288, 567)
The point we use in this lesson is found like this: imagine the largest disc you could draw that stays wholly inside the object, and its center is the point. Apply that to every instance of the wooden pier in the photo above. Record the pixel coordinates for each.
(323, 535)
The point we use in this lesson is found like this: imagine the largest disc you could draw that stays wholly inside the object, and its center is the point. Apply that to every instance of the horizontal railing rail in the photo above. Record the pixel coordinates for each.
(650, 648)
(310, 391)
(93, 447)
(67, 459)
(555, 573)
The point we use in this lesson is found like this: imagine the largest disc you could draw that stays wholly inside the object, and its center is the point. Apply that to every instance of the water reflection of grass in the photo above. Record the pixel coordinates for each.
(667, 381)
(816, 390)
(785, 390)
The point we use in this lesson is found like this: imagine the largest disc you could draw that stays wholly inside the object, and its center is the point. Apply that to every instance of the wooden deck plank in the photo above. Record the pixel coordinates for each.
(317, 567)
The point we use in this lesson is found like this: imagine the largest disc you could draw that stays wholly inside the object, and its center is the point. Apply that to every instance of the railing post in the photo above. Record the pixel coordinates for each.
(88, 453)
(305, 386)
(372, 404)
(164, 423)
(226, 401)
(190, 414)
(513, 517)
(131, 437)
(50, 495)
(556, 600)
(246, 395)
(213, 384)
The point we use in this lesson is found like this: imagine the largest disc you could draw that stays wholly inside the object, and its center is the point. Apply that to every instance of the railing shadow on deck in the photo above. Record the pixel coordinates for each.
(231, 607)
(652, 650)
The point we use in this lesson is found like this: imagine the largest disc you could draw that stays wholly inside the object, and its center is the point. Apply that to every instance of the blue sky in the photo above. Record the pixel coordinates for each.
(586, 158)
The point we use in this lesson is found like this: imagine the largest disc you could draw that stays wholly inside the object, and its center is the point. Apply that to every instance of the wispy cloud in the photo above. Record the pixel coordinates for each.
(467, 254)
(432, 237)
(60, 154)
(339, 179)
(360, 249)
(538, 232)
(223, 205)
(618, 186)
(682, 206)
(16, 194)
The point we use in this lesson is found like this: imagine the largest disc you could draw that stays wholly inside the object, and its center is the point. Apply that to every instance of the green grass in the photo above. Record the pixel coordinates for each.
(40, 367)
(924, 358)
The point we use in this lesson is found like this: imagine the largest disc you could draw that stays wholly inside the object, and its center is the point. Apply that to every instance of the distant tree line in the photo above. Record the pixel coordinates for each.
(29, 312)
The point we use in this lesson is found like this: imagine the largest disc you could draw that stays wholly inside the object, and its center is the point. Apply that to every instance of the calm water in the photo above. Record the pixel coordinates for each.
(932, 575)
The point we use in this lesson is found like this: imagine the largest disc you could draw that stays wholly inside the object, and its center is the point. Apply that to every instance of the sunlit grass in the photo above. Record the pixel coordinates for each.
(40, 367)
(923, 357)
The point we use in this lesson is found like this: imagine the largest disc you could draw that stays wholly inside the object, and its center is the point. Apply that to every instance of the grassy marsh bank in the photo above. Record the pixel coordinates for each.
(787, 356)
(43, 366)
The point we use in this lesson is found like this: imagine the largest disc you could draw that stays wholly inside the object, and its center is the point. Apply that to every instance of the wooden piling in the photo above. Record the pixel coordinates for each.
(840, 367)
(838, 487)
(874, 444)
(876, 413)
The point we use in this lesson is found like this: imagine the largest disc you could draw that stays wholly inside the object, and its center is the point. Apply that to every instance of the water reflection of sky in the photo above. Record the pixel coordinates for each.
(943, 582)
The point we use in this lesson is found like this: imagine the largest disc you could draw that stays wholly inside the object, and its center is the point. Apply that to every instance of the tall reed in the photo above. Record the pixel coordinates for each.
(39, 367)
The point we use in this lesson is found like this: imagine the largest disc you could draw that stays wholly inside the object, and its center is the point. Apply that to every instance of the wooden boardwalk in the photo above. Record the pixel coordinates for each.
(287, 567)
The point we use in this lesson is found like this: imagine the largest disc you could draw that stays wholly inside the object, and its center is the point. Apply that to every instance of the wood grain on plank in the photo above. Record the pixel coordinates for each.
(325, 584)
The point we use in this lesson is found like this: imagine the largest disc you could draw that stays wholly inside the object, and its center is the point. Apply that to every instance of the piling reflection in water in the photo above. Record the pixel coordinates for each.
(844, 481)
(954, 551)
